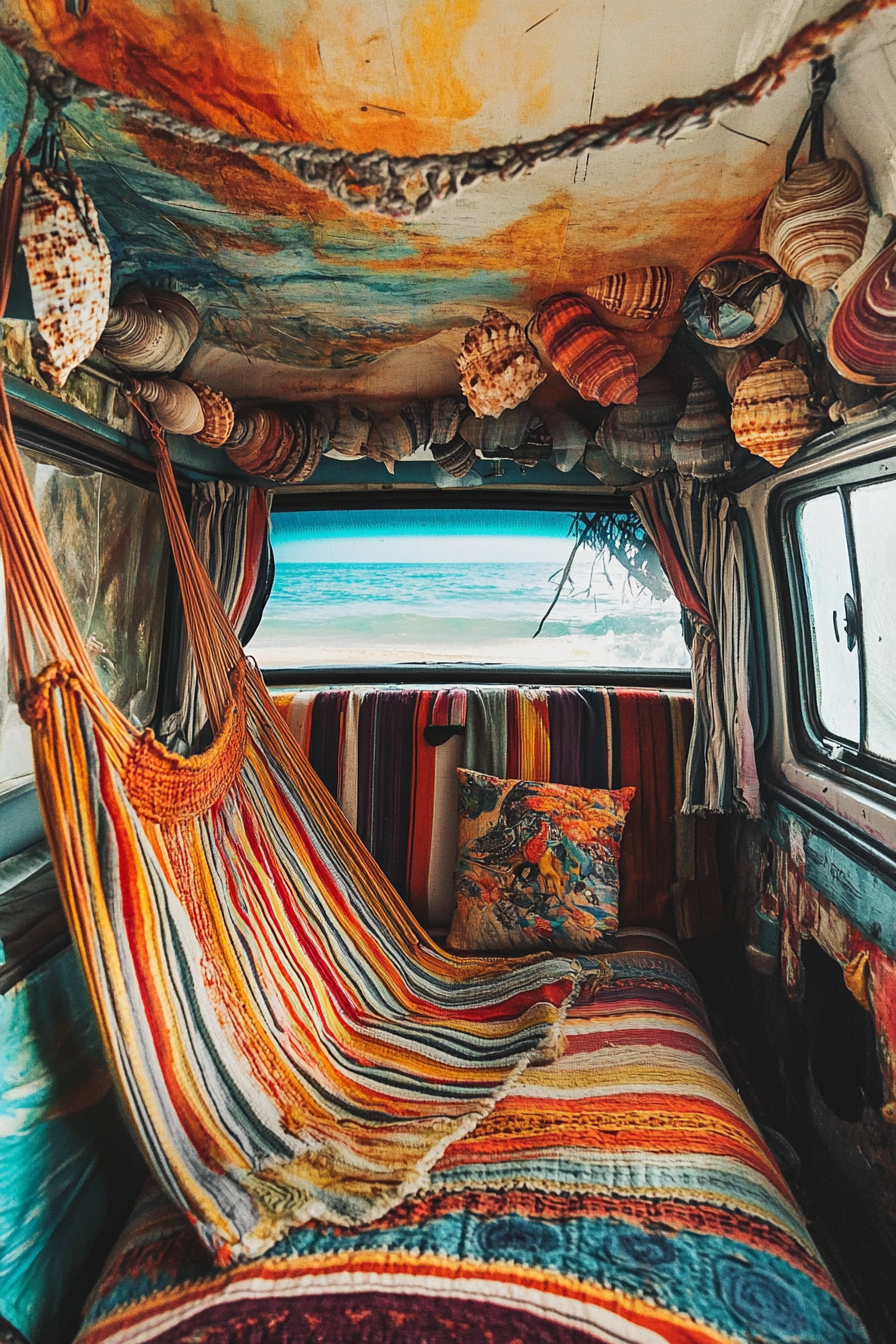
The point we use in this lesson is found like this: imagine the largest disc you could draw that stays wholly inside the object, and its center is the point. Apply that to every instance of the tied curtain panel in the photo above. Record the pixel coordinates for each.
(230, 525)
(697, 532)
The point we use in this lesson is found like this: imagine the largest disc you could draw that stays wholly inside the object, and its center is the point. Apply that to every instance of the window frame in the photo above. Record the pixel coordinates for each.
(813, 743)
(504, 498)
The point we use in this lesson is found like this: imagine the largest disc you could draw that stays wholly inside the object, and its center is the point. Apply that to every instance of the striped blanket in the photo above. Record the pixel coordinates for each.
(375, 750)
(621, 1194)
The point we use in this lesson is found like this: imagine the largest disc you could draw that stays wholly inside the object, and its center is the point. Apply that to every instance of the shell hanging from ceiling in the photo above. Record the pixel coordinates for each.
(457, 457)
(218, 416)
(640, 295)
(490, 434)
(350, 430)
(151, 330)
(498, 365)
(261, 441)
(861, 341)
(69, 269)
(744, 362)
(639, 437)
(445, 415)
(702, 442)
(815, 221)
(591, 359)
(176, 406)
(735, 300)
(771, 414)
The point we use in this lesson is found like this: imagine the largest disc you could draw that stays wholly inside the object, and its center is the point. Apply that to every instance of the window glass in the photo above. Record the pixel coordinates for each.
(107, 538)
(873, 509)
(825, 554)
(396, 586)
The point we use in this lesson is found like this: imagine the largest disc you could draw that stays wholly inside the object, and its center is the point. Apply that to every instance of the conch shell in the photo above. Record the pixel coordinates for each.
(446, 414)
(639, 437)
(771, 415)
(150, 330)
(69, 269)
(498, 366)
(175, 406)
(702, 442)
(261, 442)
(457, 457)
(590, 358)
(861, 340)
(219, 416)
(640, 295)
(815, 222)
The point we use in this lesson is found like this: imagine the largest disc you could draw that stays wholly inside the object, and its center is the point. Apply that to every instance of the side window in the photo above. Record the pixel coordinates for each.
(107, 538)
(846, 562)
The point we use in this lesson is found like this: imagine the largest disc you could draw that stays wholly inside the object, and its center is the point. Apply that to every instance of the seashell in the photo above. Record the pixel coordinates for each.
(446, 414)
(457, 457)
(599, 462)
(569, 437)
(498, 365)
(861, 341)
(311, 433)
(735, 300)
(390, 439)
(489, 434)
(150, 330)
(639, 437)
(593, 361)
(69, 269)
(745, 362)
(642, 294)
(702, 442)
(350, 431)
(418, 418)
(218, 413)
(536, 447)
(175, 406)
(815, 221)
(261, 441)
(770, 414)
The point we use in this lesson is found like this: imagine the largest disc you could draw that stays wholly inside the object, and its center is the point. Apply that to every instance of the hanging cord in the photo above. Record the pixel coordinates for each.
(823, 76)
(404, 187)
(53, 161)
(11, 200)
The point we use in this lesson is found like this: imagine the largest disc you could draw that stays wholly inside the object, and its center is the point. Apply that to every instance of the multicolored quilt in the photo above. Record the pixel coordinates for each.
(621, 1194)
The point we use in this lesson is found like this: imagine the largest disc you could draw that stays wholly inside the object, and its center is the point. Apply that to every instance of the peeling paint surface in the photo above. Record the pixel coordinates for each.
(282, 271)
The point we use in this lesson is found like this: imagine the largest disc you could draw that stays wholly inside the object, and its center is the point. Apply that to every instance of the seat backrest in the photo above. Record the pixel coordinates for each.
(390, 756)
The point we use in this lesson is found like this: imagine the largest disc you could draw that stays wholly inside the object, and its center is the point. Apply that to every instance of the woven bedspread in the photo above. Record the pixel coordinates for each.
(619, 1194)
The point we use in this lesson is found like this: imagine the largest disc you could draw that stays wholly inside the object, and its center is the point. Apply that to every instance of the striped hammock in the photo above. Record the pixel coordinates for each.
(288, 1042)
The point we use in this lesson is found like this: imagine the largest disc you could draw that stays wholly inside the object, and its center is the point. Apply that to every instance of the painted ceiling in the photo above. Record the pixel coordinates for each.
(282, 272)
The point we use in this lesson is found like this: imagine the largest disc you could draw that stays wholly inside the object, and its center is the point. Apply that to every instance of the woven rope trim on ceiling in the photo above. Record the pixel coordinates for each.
(404, 188)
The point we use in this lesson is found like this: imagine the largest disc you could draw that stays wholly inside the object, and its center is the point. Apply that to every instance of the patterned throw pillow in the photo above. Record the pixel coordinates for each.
(537, 865)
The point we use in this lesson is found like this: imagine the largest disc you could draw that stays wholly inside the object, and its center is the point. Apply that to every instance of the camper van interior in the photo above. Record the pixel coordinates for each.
(448, 672)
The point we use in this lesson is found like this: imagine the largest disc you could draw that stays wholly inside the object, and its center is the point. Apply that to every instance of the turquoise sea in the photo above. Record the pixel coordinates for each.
(465, 612)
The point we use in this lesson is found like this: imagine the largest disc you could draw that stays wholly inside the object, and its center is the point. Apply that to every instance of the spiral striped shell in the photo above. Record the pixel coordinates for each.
(642, 294)
(593, 361)
(815, 221)
(445, 416)
(69, 271)
(498, 366)
(861, 339)
(310, 437)
(218, 413)
(175, 406)
(745, 362)
(639, 437)
(492, 433)
(702, 442)
(261, 441)
(457, 457)
(771, 415)
(150, 331)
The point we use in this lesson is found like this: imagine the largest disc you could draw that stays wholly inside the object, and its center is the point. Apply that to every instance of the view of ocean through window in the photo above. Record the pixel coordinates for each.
(386, 587)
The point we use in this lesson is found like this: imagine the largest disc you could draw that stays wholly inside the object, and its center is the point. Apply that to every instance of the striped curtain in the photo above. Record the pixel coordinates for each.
(696, 530)
(231, 529)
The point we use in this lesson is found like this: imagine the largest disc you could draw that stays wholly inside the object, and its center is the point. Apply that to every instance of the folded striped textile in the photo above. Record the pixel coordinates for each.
(621, 1194)
(370, 748)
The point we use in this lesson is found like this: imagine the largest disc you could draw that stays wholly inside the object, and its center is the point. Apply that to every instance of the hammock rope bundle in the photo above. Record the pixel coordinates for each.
(287, 1041)
(404, 187)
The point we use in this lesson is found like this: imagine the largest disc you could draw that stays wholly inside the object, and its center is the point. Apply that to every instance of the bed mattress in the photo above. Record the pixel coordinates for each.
(622, 1193)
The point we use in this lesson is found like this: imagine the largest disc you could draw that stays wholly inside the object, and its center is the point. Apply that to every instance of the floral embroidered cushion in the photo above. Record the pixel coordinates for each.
(537, 865)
